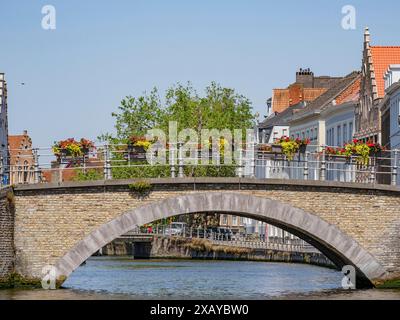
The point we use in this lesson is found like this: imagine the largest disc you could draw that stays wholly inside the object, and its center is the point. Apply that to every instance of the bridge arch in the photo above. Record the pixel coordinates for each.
(329, 239)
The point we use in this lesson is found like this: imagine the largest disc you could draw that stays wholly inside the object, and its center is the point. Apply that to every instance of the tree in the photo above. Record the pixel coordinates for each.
(220, 108)
(135, 116)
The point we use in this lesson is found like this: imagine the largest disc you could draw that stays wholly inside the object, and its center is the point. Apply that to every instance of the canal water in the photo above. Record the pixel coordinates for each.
(125, 278)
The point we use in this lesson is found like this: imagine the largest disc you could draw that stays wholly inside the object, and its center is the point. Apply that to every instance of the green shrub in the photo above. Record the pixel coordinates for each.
(88, 175)
(140, 187)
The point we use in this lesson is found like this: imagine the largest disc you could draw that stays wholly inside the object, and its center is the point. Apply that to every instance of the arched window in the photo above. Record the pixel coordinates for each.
(26, 171)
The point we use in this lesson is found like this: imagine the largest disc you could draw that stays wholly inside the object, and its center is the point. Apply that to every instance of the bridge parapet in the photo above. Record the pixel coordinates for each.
(254, 161)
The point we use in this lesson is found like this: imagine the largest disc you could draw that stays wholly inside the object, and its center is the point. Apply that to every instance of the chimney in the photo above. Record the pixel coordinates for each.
(25, 133)
(305, 77)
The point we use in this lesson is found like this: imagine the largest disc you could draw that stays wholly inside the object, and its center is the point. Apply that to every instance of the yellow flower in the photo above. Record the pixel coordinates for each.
(143, 143)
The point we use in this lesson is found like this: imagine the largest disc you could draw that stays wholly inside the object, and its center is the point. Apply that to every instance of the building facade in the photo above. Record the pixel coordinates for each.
(3, 130)
(324, 120)
(235, 223)
(376, 61)
(339, 124)
(21, 168)
(390, 113)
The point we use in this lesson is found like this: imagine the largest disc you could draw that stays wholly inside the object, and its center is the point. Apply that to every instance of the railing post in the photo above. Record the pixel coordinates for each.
(172, 154)
(1, 171)
(372, 175)
(240, 164)
(253, 159)
(322, 175)
(305, 173)
(107, 163)
(180, 160)
(394, 168)
(36, 166)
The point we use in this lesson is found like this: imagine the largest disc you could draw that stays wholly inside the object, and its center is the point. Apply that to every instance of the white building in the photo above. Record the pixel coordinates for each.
(390, 110)
(339, 123)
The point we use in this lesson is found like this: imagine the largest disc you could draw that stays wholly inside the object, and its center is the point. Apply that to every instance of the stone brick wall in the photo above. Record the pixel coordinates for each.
(6, 234)
(49, 222)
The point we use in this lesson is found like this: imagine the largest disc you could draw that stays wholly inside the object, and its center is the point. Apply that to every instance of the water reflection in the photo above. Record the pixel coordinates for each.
(124, 278)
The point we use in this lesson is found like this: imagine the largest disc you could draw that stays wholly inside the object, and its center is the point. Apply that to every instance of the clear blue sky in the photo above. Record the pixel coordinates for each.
(102, 51)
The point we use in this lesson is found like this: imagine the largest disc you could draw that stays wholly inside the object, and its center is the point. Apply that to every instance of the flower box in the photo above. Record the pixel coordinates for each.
(338, 158)
(135, 153)
(276, 148)
(71, 150)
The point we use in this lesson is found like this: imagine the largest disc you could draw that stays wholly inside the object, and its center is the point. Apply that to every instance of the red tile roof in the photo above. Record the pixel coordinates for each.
(351, 93)
(382, 58)
(284, 98)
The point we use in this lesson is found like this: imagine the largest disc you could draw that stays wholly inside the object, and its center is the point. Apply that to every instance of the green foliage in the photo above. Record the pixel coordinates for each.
(389, 284)
(88, 175)
(210, 171)
(135, 116)
(140, 187)
(220, 108)
(140, 170)
(360, 149)
(289, 148)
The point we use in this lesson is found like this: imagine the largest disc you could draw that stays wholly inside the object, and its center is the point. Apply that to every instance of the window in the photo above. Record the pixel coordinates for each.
(315, 133)
(398, 115)
(339, 136)
(350, 131)
(303, 135)
(308, 134)
(328, 137)
(345, 133)
(312, 134)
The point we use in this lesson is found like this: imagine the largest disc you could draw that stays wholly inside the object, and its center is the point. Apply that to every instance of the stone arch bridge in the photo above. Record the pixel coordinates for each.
(64, 224)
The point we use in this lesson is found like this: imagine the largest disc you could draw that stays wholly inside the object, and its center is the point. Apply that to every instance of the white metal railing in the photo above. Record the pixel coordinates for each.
(106, 159)
(242, 241)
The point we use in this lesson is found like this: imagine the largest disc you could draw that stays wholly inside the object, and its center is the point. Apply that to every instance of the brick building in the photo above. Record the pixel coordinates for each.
(306, 89)
(21, 168)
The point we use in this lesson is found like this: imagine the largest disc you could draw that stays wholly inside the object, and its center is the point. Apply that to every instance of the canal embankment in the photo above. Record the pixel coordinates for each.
(162, 247)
